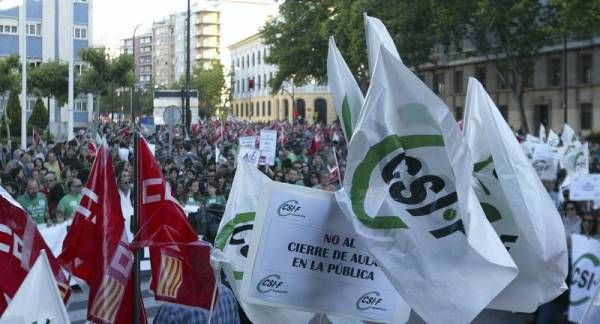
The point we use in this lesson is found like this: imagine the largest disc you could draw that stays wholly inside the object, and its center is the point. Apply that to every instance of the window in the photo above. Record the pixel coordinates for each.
(585, 68)
(30, 104)
(586, 116)
(34, 29)
(78, 69)
(81, 32)
(8, 28)
(259, 83)
(248, 60)
(258, 57)
(34, 63)
(269, 108)
(80, 105)
(481, 75)
(253, 59)
(263, 109)
(458, 81)
(438, 83)
(242, 62)
(265, 80)
(554, 71)
(458, 112)
(501, 84)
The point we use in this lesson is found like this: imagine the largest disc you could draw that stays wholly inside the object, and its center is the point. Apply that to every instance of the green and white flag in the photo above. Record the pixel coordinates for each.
(233, 239)
(517, 205)
(553, 139)
(568, 136)
(347, 97)
(408, 194)
(377, 36)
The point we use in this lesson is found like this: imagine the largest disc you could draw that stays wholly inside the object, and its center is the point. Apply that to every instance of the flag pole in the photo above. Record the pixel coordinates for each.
(135, 221)
(337, 166)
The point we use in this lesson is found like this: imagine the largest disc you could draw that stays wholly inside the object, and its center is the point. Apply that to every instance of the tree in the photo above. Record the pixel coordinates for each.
(210, 84)
(39, 116)
(13, 113)
(9, 80)
(298, 39)
(50, 80)
(508, 34)
(105, 76)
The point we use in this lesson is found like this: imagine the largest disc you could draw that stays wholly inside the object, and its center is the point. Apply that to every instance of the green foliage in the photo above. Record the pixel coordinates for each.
(39, 116)
(105, 76)
(10, 74)
(299, 38)
(577, 17)
(13, 113)
(210, 84)
(509, 34)
(50, 79)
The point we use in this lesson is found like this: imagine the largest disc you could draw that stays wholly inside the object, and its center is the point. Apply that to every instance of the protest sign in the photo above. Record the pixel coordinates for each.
(545, 162)
(249, 155)
(268, 141)
(584, 276)
(585, 187)
(248, 141)
(305, 255)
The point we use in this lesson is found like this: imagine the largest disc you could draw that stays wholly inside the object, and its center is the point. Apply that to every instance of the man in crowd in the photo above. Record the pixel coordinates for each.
(35, 203)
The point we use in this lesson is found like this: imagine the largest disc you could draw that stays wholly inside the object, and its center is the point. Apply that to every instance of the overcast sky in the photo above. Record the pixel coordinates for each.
(116, 19)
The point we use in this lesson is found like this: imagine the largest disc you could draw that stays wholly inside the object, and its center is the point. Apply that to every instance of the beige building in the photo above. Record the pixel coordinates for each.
(252, 98)
(543, 97)
(143, 57)
(163, 36)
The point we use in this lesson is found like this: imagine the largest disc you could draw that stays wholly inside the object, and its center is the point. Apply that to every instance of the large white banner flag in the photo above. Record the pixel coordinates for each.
(38, 299)
(568, 136)
(408, 194)
(233, 238)
(517, 205)
(585, 264)
(305, 254)
(553, 139)
(347, 97)
(377, 35)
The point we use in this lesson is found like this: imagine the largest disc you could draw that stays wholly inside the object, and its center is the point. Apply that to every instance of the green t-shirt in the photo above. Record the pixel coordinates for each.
(36, 206)
(219, 200)
(68, 204)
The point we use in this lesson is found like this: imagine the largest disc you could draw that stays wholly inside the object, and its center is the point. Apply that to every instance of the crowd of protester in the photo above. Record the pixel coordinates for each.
(47, 178)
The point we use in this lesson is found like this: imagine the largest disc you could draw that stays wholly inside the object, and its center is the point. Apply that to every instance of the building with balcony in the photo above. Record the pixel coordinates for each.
(252, 98)
(143, 57)
(46, 40)
(163, 36)
(543, 96)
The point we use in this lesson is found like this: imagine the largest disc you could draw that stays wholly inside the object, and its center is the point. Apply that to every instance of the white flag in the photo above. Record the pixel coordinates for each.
(233, 238)
(517, 204)
(347, 97)
(577, 160)
(38, 298)
(408, 194)
(377, 36)
(585, 261)
(568, 136)
(553, 139)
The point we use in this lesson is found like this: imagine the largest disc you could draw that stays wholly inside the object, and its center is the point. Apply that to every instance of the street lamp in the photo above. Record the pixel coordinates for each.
(134, 75)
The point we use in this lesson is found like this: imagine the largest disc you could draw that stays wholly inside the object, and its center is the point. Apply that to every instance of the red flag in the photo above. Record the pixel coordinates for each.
(181, 271)
(20, 245)
(96, 248)
(92, 151)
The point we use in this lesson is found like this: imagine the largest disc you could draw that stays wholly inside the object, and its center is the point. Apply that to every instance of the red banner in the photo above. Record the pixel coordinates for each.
(20, 245)
(96, 247)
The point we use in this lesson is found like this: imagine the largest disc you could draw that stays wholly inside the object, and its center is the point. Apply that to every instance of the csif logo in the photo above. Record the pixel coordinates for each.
(370, 300)
(418, 179)
(290, 208)
(270, 283)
